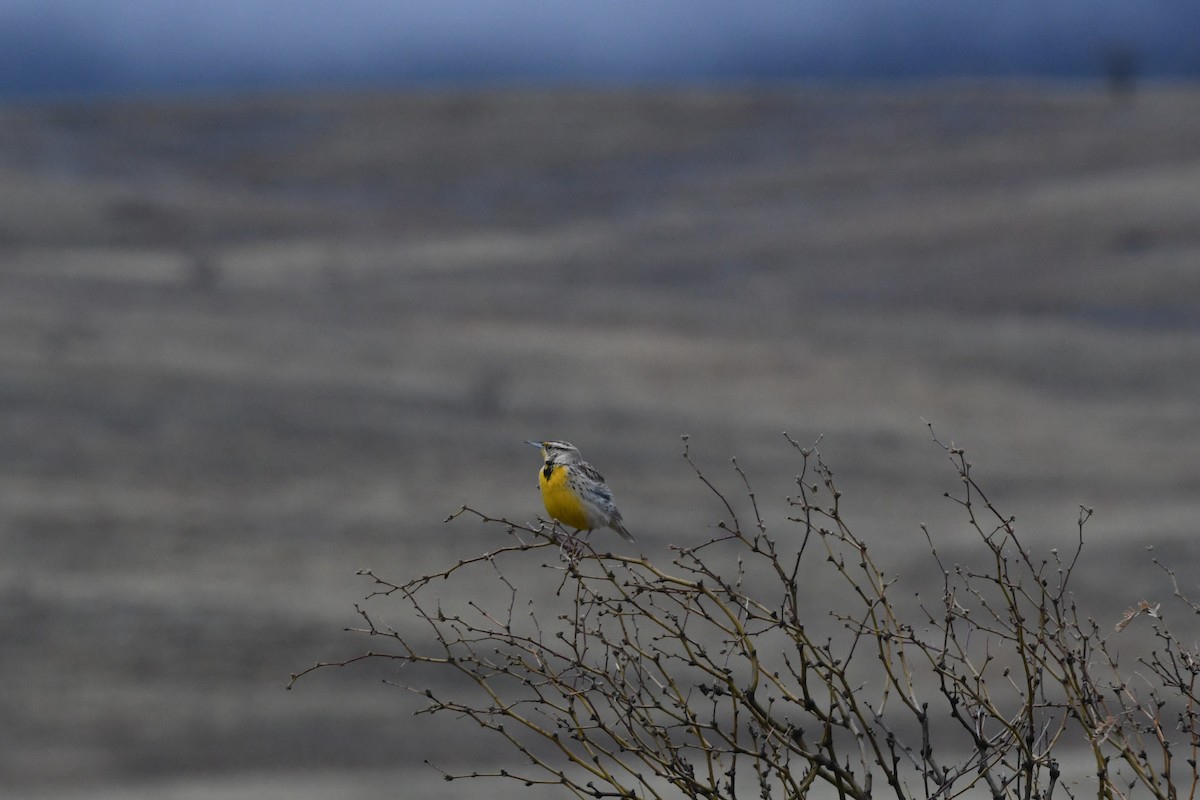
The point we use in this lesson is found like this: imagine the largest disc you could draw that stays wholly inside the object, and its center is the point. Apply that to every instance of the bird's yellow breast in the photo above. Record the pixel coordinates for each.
(561, 501)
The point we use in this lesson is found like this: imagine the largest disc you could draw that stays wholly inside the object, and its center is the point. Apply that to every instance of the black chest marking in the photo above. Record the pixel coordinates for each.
(547, 471)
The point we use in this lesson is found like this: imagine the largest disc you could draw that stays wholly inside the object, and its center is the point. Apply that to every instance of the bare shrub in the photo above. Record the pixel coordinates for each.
(705, 677)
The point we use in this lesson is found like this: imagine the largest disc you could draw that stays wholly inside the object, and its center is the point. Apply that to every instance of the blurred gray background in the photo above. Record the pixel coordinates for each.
(281, 288)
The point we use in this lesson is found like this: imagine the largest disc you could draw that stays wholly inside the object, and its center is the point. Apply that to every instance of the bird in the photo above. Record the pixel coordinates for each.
(574, 492)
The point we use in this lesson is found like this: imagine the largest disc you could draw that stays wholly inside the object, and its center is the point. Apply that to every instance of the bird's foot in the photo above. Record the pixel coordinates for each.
(570, 547)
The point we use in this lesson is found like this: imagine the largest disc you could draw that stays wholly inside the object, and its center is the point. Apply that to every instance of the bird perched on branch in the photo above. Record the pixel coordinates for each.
(575, 494)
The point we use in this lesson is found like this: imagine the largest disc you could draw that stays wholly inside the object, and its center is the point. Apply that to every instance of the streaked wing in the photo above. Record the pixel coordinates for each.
(591, 472)
(599, 487)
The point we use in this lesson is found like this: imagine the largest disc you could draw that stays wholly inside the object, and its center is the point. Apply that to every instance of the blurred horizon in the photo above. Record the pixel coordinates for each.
(121, 47)
(286, 284)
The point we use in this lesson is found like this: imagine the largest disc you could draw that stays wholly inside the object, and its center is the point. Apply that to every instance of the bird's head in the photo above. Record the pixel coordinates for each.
(556, 452)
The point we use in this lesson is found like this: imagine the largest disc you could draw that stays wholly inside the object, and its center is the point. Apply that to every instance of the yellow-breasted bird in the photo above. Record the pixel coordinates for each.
(574, 492)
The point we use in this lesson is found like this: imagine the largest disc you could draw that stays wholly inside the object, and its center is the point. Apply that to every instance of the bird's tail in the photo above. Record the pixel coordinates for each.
(617, 526)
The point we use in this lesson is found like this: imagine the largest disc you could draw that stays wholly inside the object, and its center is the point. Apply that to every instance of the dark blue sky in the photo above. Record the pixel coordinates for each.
(129, 46)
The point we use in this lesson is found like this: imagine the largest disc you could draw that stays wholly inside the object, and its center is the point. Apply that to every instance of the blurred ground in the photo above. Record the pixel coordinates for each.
(250, 346)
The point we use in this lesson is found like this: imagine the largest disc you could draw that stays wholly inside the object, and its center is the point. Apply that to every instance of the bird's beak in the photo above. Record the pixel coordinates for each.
(538, 445)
